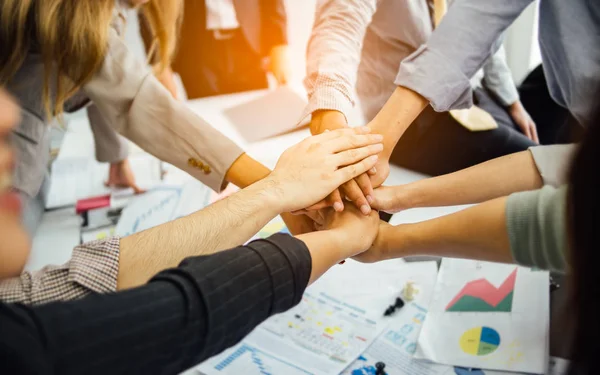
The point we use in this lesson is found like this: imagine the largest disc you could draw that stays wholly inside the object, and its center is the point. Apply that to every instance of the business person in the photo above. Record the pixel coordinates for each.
(94, 64)
(118, 264)
(201, 305)
(228, 46)
(568, 35)
(539, 209)
(373, 37)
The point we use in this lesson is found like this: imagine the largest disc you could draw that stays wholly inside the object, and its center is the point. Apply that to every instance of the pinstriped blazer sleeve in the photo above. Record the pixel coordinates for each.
(180, 318)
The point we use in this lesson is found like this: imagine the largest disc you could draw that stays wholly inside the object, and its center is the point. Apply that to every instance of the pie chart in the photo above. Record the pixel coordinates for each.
(480, 341)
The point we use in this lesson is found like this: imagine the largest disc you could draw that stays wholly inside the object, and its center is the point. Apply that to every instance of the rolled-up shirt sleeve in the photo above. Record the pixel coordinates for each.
(180, 318)
(333, 53)
(93, 268)
(467, 37)
(133, 102)
(537, 229)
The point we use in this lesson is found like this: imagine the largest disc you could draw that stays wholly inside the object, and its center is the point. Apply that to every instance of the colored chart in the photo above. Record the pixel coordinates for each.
(480, 341)
(468, 371)
(252, 361)
(481, 296)
(272, 228)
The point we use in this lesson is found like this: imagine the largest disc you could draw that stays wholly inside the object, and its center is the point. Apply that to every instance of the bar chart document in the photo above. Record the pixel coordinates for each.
(487, 315)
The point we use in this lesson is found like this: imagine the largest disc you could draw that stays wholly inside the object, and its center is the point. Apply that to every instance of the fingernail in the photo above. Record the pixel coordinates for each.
(374, 170)
(378, 137)
(364, 129)
(365, 209)
(373, 159)
(370, 199)
(378, 147)
(338, 206)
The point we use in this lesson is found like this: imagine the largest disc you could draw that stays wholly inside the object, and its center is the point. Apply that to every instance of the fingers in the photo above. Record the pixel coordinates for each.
(350, 172)
(335, 201)
(353, 156)
(352, 141)
(353, 192)
(333, 134)
(526, 129)
(364, 183)
(536, 139)
(316, 217)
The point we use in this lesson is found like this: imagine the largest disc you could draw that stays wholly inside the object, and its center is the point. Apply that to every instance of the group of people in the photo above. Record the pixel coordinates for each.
(439, 99)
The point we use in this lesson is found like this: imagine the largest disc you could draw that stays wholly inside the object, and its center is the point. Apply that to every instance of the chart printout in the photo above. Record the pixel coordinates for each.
(487, 315)
(322, 335)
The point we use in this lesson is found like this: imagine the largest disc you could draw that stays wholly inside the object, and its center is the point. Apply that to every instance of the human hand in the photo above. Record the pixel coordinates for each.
(302, 224)
(121, 175)
(379, 248)
(523, 120)
(356, 232)
(358, 190)
(280, 64)
(309, 171)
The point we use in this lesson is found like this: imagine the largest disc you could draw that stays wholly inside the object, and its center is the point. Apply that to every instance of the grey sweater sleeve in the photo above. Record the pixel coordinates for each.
(536, 224)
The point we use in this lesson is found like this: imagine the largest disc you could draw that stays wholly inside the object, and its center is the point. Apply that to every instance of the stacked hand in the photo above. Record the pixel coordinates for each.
(360, 189)
(311, 170)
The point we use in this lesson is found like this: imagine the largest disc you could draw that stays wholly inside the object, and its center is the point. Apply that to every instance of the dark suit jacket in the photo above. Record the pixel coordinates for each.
(180, 318)
(263, 22)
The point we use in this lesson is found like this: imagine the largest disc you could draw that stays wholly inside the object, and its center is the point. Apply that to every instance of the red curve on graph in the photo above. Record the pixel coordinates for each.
(483, 289)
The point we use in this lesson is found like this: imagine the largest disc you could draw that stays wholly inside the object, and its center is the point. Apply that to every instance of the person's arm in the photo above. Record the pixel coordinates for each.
(333, 55)
(527, 228)
(135, 104)
(274, 38)
(439, 72)
(111, 148)
(492, 179)
(521, 171)
(304, 174)
(183, 315)
(498, 80)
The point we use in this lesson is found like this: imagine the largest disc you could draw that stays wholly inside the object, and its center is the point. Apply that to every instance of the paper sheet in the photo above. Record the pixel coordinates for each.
(57, 235)
(77, 178)
(278, 111)
(322, 335)
(487, 315)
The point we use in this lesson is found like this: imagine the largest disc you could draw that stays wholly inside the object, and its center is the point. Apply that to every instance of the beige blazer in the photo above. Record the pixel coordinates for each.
(129, 99)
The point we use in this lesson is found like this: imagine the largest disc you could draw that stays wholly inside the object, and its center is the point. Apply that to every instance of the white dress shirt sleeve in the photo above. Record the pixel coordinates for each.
(334, 53)
(497, 77)
(221, 15)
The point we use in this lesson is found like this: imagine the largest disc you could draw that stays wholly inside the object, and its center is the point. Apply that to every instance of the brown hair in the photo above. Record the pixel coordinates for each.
(72, 37)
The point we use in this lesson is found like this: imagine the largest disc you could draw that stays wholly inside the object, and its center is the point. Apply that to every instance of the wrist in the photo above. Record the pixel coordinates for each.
(326, 119)
(270, 193)
(410, 196)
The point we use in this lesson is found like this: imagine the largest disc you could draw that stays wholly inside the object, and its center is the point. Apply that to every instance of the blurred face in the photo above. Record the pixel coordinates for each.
(14, 242)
